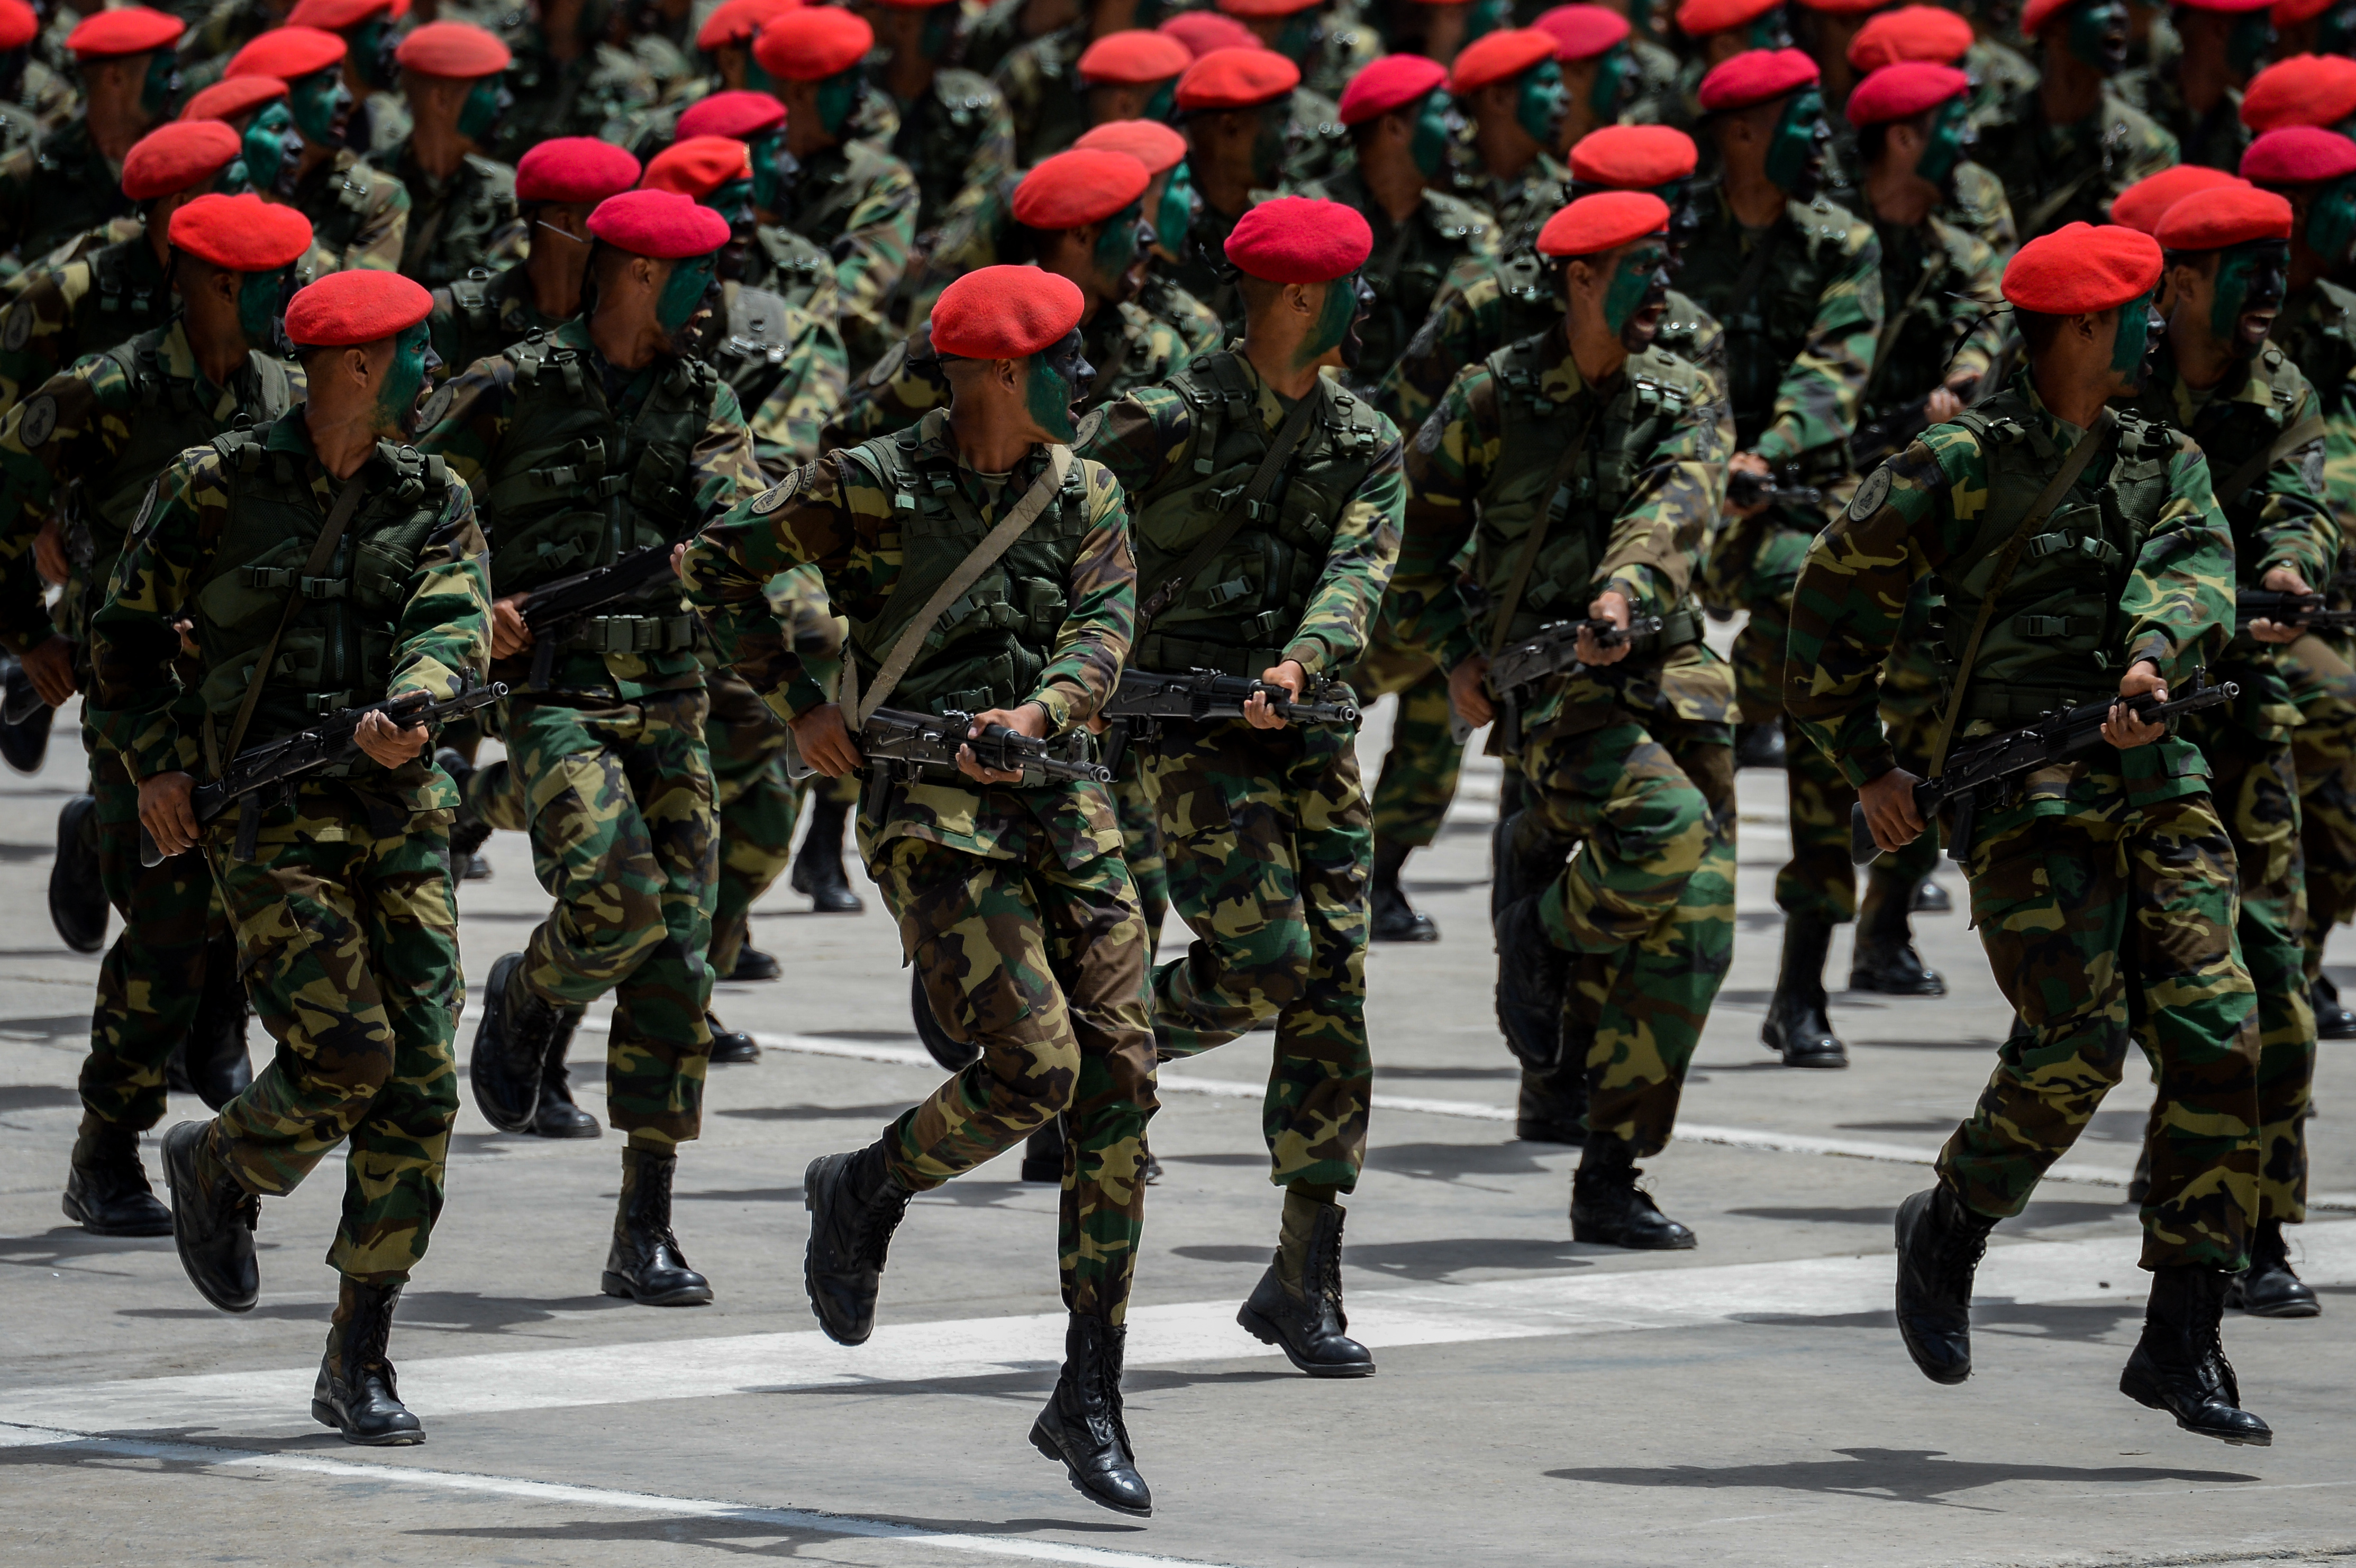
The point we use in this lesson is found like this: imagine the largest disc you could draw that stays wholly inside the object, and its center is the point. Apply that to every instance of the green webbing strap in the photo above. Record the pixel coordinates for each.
(1563, 470)
(322, 553)
(2311, 428)
(1239, 511)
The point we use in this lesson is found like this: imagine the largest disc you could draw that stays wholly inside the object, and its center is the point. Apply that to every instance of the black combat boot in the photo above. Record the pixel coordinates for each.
(1389, 917)
(752, 963)
(2332, 1021)
(1609, 1209)
(1758, 746)
(356, 1393)
(1930, 898)
(76, 898)
(1297, 1305)
(106, 1187)
(1939, 1246)
(24, 742)
(1082, 1425)
(2268, 1288)
(818, 871)
(645, 1263)
(1796, 1023)
(1043, 1153)
(468, 832)
(955, 1055)
(214, 1055)
(854, 1205)
(1533, 979)
(1552, 1108)
(213, 1216)
(1885, 961)
(557, 1116)
(730, 1045)
(2179, 1364)
(512, 1045)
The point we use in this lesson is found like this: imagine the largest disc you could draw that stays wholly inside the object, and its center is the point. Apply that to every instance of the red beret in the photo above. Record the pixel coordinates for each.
(2299, 155)
(130, 31)
(177, 155)
(2080, 269)
(289, 54)
(456, 49)
(2223, 215)
(1605, 222)
(1134, 56)
(2305, 90)
(1900, 92)
(662, 224)
(1081, 185)
(1391, 83)
(1300, 239)
(1005, 312)
(580, 170)
(1843, 7)
(18, 24)
(1911, 33)
(698, 165)
(812, 43)
(737, 21)
(335, 15)
(345, 309)
(1696, 19)
(1581, 32)
(243, 233)
(236, 96)
(1634, 157)
(2227, 7)
(1500, 57)
(2034, 15)
(1264, 7)
(1237, 79)
(735, 112)
(2141, 205)
(1203, 31)
(1150, 142)
(1756, 77)
(2291, 13)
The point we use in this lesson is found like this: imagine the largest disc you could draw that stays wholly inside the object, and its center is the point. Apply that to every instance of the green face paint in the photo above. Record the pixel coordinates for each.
(272, 145)
(1061, 379)
(1951, 140)
(2139, 330)
(486, 105)
(682, 294)
(1335, 319)
(160, 87)
(757, 80)
(2332, 223)
(1158, 107)
(2251, 278)
(371, 45)
(940, 31)
(1539, 106)
(733, 201)
(262, 305)
(320, 103)
(772, 171)
(1614, 72)
(2247, 42)
(404, 380)
(1303, 35)
(1770, 30)
(1485, 16)
(1176, 213)
(2097, 34)
(1117, 246)
(1795, 153)
(838, 96)
(1638, 281)
(1434, 129)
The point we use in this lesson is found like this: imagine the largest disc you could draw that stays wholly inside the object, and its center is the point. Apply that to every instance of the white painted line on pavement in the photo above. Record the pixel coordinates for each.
(785, 1519)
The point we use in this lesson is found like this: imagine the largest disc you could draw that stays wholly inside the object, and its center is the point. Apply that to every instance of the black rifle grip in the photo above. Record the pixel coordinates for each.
(150, 853)
(1862, 849)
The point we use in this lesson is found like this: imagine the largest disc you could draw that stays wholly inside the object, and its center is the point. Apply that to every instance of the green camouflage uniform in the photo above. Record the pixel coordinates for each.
(2103, 890)
(565, 98)
(1013, 902)
(1445, 237)
(2216, 139)
(466, 220)
(227, 27)
(107, 297)
(360, 216)
(2069, 173)
(476, 315)
(2278, 518)
(52, 191)
(859, 204)
(1420, 767)
(1520, 206)
(1633, 762)
(43, 101)
(1802, 319)
(1039, 84)
(1265, 834)
(608, 760)
(1999, 74)
(347, 929)
(954, 138)
(786, 364)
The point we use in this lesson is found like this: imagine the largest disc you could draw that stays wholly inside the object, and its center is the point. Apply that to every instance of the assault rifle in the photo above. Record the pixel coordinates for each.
(1744, 489)
(1879, 439)
(1553, 648)
(895, 738)
(555, 609)
(1145, 697)
(2288, 610)
(332, 740)
(1981, 771)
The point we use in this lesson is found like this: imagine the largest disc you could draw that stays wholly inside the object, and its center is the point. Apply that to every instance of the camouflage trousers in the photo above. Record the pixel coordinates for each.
(2103, 927)
(152, 980)
(1141, 838)
(1647, 905)
(618, 804)
(347, 935)
(758, 808)
(1420, 770)
(2323, 753)
(1911, 692)
(1042, 964)
(1267, 837)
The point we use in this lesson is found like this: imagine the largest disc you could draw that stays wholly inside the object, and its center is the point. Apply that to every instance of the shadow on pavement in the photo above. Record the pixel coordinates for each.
(1897, 1475)
(465, 1309)
(1425, 1260)
(884, 1112)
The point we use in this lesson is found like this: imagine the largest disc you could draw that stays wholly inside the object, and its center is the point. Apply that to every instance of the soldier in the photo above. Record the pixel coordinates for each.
(1132, 75)
(1234, 105)
(1634, 763)
(1305, 32)
(381, 119)
(1824, 29)
(2195, 96)
(1595, 56)
(1796, 282)
(2310, 27)
(955, 131)
(2103, 889)
(1715, 32)
(725, 40)
(359, 217)
(34, 99)
(1508, 85)
(339, 892)
(1976, 199)
(130, 81)
(462, 205)
(605, 752)
(2066, 146)
(1012, 901)
(2305, 90)
(1264, 827)
(1169, 204)
(105, 428)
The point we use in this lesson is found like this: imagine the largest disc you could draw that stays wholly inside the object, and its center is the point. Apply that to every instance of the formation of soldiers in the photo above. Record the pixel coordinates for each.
(685, 396)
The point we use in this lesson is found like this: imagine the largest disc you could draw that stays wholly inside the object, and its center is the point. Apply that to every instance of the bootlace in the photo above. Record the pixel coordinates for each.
(653, 1205)
(878, 1218)
(1959, 1258)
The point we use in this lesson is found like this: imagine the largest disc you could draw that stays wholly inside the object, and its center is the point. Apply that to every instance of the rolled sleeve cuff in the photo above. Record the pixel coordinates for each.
(1056, 701)
(798, 695)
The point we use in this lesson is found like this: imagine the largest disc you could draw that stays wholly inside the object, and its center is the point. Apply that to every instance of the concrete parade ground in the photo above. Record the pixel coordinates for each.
(1538, 1402)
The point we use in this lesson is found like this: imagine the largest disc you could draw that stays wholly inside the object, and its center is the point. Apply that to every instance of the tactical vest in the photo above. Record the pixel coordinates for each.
(797, 269)
(988, 647)
(2056, 636)
(479, 204)
(939, 131)
(574, 490)
(1534, 433)
(474, 324)
(127, 290)
(166, 417)
(338, 208)
(755, 345)
(1240, 611)
(1767, 328)
(338, 650)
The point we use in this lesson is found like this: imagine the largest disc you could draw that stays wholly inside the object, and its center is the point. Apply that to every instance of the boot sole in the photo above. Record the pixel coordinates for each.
(1047, 1449)
(75, 1213)
(2287, 1309)
(810, 1272)
(1261, 1329)
(324, 1414)
(1862, 983)
(2143, 1394)
(1589, 1237)
(619, 1286)
(1945, 1377)
(593, 1130)
(180, 1246)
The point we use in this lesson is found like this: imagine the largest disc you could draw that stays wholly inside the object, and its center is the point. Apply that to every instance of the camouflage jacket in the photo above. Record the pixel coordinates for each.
(1040, 84)
(359, 215)
(466, 220)
(106, 297)
(2317, 327)
(478, 315)
(1943, 304)
(1350, 43)
(2055, 175)
(2216, 139)
(43, 101)
(1148, 437)
(1519, 206)
(566, 98)
(1444, 239)
(225, 28)
(1656, 99)
(859, 204)
(788, 366)
(2177, 607)
(1998, 73)
(54, 190)
(954, 138)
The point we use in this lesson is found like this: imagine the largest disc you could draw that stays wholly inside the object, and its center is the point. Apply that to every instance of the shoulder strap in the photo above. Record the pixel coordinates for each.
(2095, 442)
(997, 542)
(1564, 467)
(1935, 261)
(2311, 428)
(348, 502)
(1242, 509)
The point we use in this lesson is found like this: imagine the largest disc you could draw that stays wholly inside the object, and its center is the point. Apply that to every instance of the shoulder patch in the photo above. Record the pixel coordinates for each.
(777, 495)
(18, 330)
(1870, 495)
(40, 421)
(436, 406)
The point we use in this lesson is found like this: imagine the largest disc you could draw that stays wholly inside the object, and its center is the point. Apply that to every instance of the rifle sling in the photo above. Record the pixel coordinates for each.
(2311, 428)
(1239, 511)
(1563, 469)
(2090, 446)
(1932, 265)
(331, 533)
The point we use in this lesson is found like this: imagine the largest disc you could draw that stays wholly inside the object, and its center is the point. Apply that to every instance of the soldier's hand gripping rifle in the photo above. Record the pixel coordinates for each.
(1521, 669)
(1145, 697)
(893, 737)
(2306, 610)
(1977, 773)
(324, 744)
(1745, 488)
(554, 610)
